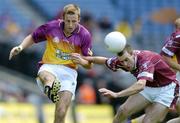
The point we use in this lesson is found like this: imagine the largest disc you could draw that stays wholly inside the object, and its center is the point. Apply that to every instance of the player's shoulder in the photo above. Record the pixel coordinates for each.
(54, 23)
(146, 54)
(176, 34)
(149, 53)
(83, 30)
(138, 52)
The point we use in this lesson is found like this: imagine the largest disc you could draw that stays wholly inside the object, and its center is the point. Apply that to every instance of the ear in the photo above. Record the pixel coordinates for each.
(63, 15)
(131, 52)
(79, 18)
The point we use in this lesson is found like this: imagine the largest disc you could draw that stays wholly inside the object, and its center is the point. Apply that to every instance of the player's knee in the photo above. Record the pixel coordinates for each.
(60, 116)
(61, 113)
(152, 120)
(147, 119)
(120, 116)
(46, 78)
(178, 107)
(122, 112)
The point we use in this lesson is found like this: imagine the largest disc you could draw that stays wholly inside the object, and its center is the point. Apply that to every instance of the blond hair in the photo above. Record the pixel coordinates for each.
(177, 23)
(71, 9)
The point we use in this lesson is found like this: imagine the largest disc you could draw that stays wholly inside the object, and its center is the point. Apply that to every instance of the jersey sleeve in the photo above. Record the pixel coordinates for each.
(40, 33)
(114, 64)
(146, 71)
(171, 46)
(87, 45)
(111, 63)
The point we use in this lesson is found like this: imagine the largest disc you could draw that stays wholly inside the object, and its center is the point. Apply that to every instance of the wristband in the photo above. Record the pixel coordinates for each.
(20, 48)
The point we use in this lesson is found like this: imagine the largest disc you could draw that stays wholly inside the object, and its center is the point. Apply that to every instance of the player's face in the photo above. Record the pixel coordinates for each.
(70, 23)
(127, 61)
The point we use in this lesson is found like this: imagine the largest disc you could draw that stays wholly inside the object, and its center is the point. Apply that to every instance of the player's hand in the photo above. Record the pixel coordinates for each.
(108, 93)
(15, 51)
(77, 58)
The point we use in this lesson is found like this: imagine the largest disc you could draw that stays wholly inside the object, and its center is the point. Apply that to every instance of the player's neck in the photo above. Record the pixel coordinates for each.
(66, 33)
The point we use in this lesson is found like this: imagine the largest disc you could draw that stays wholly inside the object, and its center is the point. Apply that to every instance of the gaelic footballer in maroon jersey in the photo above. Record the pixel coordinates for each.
(156, 86)
(172, 45)
(148, 65)
(171, 54)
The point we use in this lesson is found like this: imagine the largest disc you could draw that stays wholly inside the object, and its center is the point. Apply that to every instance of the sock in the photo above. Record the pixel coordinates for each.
(134, 120)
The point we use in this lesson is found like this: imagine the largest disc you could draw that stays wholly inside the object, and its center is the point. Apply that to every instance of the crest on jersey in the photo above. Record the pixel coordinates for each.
(146, 64)
(56, 39)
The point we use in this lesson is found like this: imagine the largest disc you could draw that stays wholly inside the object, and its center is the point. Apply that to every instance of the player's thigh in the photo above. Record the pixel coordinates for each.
(156, 112)
(135, 103)
(178, 106)
(65, 101)
(47, 72)
(175, 120)
(46, 76)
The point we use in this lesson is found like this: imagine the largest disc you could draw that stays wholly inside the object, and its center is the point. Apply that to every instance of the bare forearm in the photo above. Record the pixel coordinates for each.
(87, 64)
(135, 88)
(27, 42)
(127, 92)
(172, 63)
(96, 59)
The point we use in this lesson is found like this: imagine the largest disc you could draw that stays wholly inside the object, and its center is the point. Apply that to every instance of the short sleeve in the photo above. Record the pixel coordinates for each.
(87, 44)
(39, 34)
(146, 71)
(172, 46)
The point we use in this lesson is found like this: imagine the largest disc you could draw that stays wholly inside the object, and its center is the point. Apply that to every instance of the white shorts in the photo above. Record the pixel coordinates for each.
(67, 77)
(178, 76)
(163, 95)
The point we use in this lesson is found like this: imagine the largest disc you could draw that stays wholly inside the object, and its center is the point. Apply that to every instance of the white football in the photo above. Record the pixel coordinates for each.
(115, 42)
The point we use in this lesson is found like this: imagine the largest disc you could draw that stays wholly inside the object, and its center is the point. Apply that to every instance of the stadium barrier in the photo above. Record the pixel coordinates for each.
(23, 112)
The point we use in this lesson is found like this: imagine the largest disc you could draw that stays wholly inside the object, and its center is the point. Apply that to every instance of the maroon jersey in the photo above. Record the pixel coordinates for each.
(171, 47)
(149, 66)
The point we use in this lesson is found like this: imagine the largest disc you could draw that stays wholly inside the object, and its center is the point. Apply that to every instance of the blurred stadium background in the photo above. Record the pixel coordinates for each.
(145, 23)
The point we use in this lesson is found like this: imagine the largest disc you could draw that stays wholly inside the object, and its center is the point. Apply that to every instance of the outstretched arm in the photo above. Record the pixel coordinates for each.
(27, 42)
(86, 61)
(171, 63)
(95, 59)
(135, 88)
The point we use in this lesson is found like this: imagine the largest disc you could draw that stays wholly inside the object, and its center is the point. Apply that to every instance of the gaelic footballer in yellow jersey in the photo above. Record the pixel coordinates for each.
(59, 47)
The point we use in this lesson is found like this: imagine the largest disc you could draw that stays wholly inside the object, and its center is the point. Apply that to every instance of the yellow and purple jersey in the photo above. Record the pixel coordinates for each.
(58, 46)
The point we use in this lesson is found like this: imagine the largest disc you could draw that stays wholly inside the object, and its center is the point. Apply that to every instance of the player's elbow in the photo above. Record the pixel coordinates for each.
(167, 59)
(140, 87)
(88, 66)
